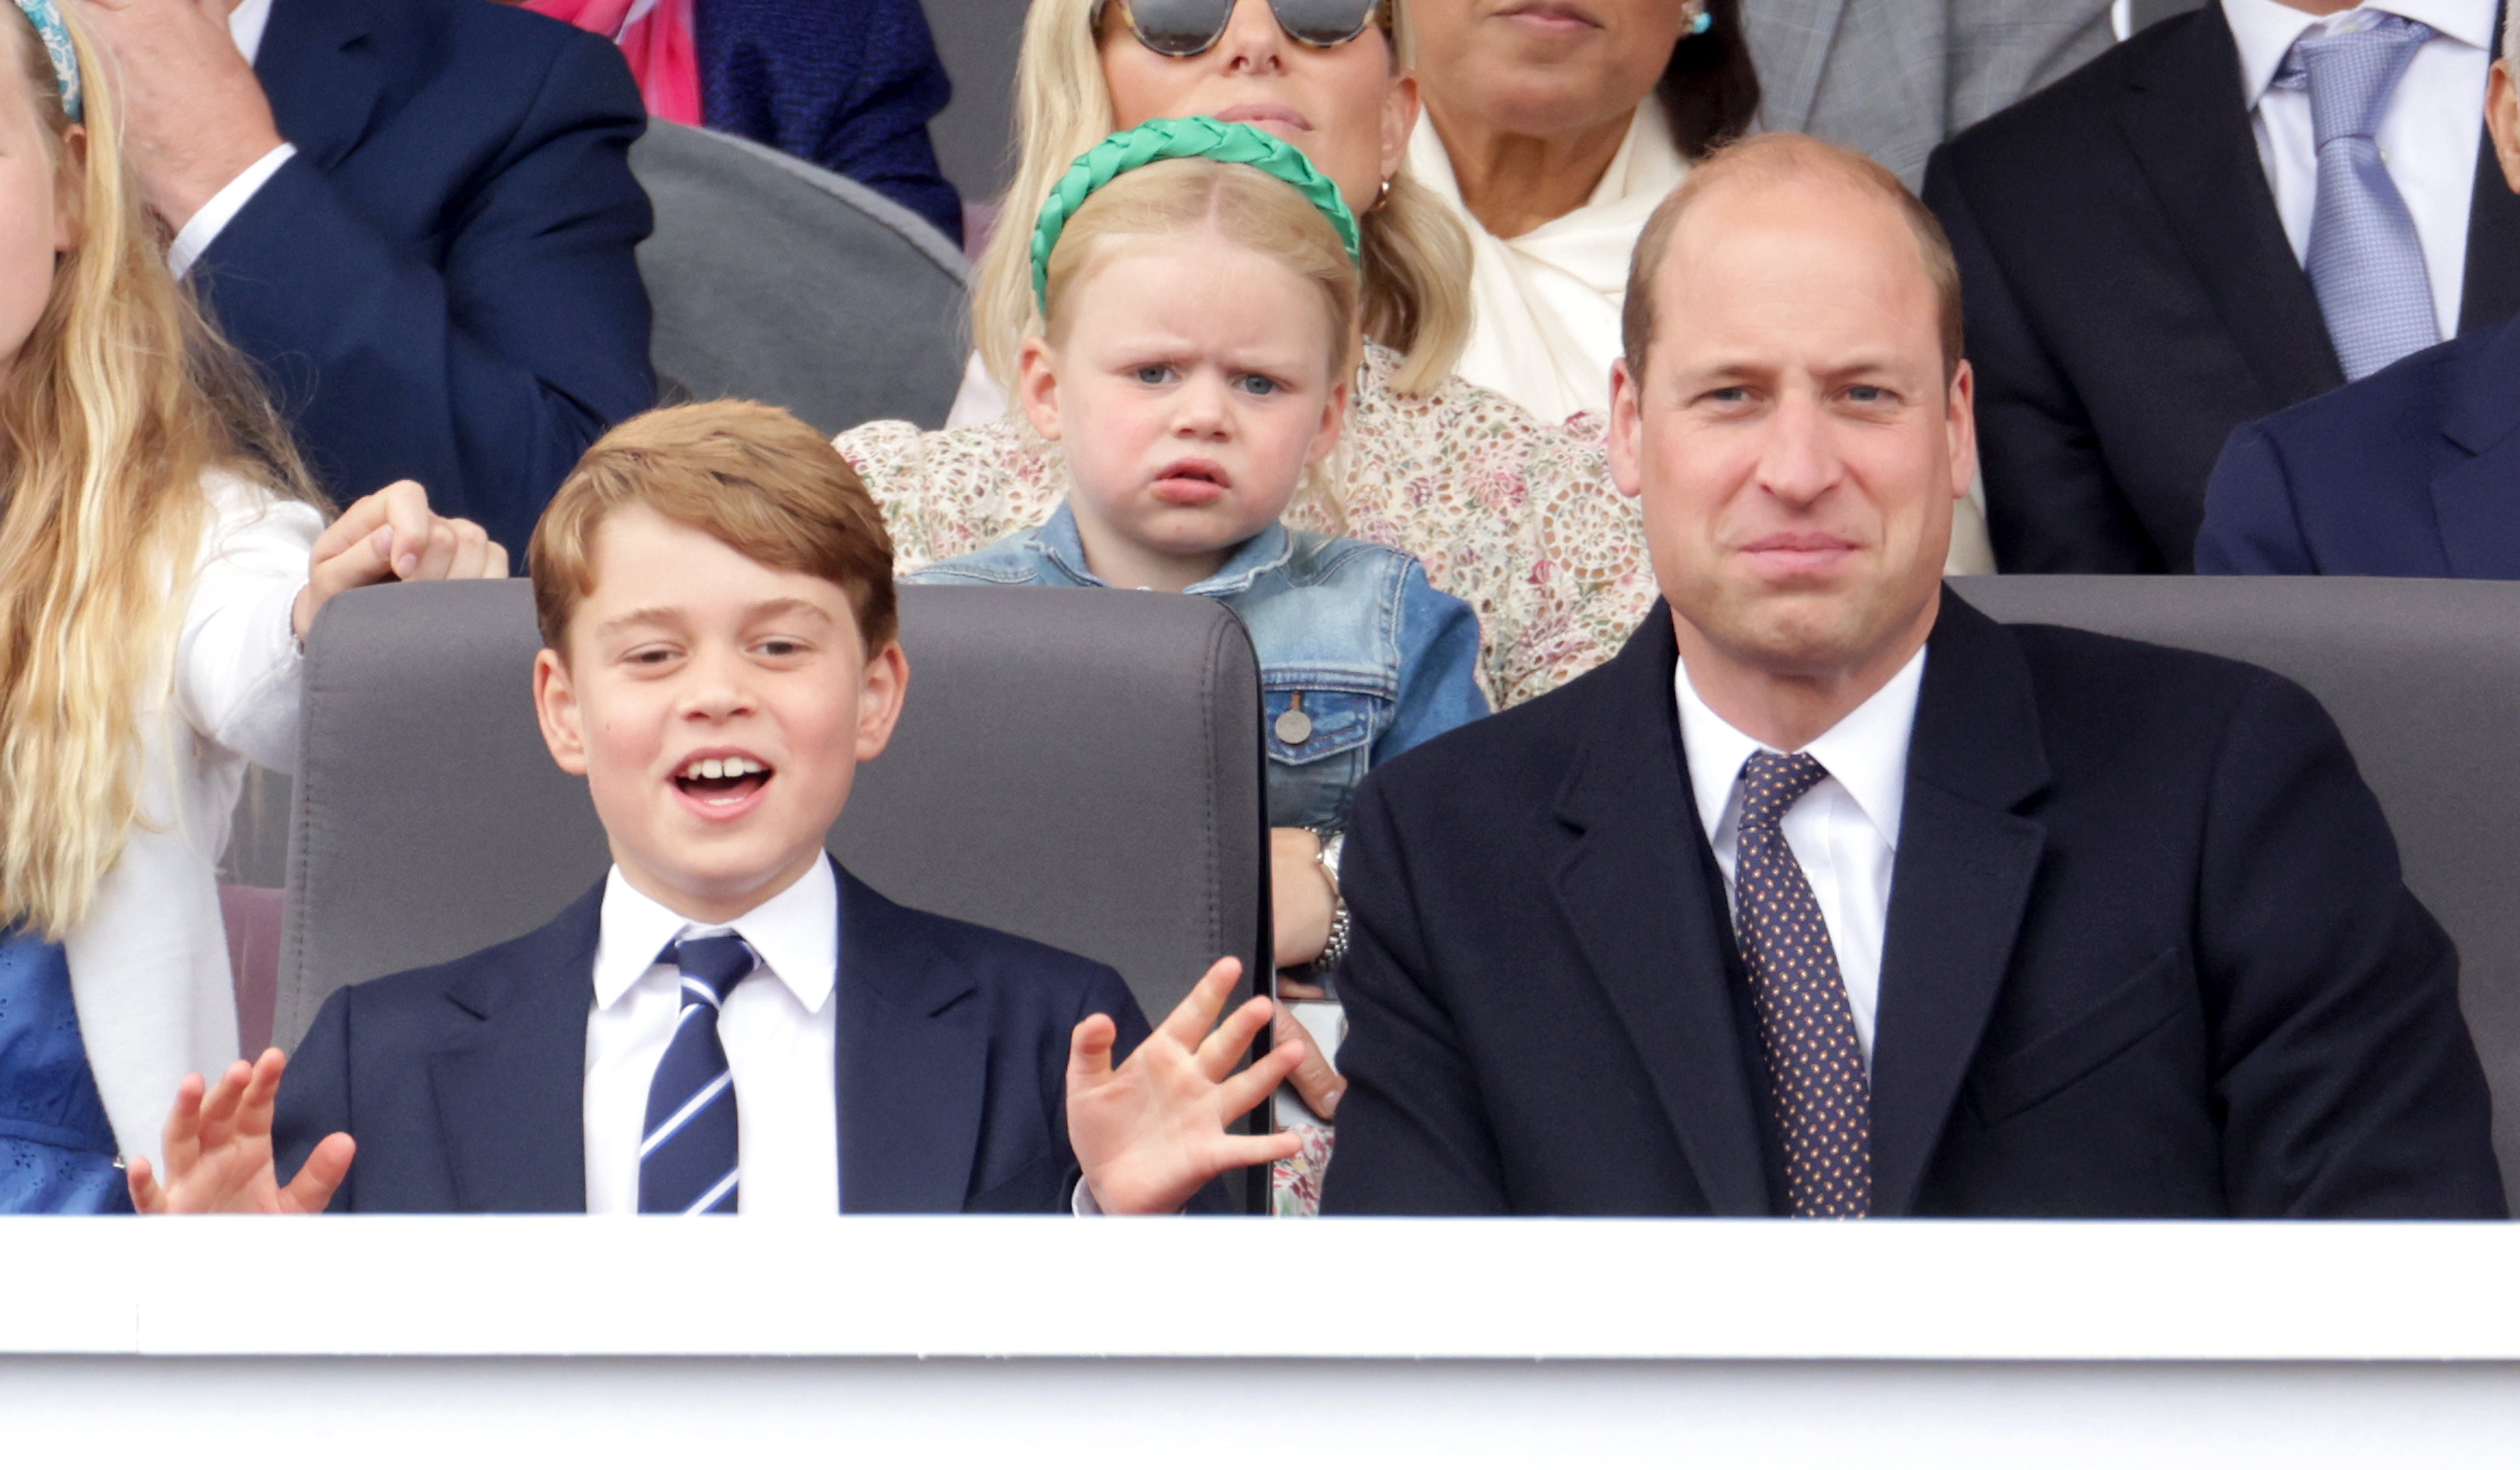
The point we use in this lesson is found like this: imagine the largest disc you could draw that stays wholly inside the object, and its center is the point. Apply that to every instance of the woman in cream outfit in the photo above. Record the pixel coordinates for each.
(1552, 132)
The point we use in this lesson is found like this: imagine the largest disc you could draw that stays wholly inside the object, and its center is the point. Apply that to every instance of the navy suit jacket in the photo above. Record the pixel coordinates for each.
(2149, 955)
(442, 284)
(464, 1084)
(848, 84)
(2414, 471)
(2130, 297)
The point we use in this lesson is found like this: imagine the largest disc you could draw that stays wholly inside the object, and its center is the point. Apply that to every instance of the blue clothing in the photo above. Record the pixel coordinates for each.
(1347, 632)
(848, 84)
(57, 1150)
(443, 285)
(2413, 471)
(465, 1084)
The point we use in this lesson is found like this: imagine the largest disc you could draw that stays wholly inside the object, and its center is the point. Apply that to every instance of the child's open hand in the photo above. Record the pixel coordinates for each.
(1154, 1130)
(393, 535)
(218, 1152)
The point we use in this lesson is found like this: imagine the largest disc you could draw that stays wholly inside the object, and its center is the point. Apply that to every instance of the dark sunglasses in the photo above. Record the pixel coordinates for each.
(1187, 27)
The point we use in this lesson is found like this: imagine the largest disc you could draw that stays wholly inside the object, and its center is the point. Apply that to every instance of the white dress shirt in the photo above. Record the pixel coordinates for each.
(245, 24)
(2428, 140)
(778, 1027)
(1844, 831)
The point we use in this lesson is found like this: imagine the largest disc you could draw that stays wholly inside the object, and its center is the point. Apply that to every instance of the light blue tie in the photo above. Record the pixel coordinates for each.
(2366, 262)
(688, 1151)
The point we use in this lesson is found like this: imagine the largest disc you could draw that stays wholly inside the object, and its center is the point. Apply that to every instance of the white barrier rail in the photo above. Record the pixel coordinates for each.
(1236, 1341)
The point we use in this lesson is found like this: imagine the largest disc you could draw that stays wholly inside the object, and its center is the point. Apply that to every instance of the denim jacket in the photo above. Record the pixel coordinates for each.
(1348, 632)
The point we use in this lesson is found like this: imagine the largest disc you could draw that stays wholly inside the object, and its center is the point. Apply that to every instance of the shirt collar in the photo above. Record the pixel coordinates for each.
(1866, 752)
(1057, 540)
(2266, 30)
(797, 932)
(246, 23)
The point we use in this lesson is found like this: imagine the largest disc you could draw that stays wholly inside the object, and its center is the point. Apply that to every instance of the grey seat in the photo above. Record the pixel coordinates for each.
(2423, 678)
(1079, 767)
(777, 281)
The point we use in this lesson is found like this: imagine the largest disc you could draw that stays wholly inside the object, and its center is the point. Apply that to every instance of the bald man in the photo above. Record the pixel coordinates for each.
(1831, 897)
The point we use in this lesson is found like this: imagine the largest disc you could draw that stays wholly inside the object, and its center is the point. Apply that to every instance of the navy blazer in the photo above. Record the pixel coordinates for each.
(2414, 471)
(848, 84)
(2130, 297)
(464, 1084)
(2149, 955)
(442, 284)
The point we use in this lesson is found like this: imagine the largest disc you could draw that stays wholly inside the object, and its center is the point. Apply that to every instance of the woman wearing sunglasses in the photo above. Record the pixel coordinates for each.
(1515, 516)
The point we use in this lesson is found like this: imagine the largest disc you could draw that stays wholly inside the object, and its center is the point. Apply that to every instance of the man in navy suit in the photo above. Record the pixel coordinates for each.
(728, 1020)
(1829, 896)
(2410, 472)
(416, 216)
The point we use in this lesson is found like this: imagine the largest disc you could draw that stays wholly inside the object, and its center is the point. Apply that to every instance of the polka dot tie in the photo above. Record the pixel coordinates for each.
(1824, 1105)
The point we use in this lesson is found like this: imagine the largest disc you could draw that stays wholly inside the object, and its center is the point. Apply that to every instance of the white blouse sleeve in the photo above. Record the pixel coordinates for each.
(238, 667)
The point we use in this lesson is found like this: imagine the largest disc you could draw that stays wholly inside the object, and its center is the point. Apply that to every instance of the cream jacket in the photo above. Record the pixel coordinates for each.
(149, 964)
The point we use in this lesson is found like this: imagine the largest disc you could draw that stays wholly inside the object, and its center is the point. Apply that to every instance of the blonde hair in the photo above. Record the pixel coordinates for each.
(750, 476)
(1416, 290)
(1242, 206)
(120, 400)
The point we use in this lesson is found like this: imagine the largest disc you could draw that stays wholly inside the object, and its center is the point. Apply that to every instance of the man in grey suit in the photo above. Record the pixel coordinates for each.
(1896, 78)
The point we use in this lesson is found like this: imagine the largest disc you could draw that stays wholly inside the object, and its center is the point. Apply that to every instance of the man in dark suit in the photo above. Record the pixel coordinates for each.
(1829, 896)
(2157, 249)
(2407, 474)
(416, 215)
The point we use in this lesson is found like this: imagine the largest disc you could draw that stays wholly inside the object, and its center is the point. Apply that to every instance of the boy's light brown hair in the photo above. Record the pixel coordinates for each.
(749, 475)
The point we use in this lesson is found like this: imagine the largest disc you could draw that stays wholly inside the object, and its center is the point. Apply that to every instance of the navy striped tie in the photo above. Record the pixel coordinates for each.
(687, 1152)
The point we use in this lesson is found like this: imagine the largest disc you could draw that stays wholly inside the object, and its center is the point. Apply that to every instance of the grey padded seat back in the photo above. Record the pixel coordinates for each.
(777, 281)
(1079, 767)
(2423, 678)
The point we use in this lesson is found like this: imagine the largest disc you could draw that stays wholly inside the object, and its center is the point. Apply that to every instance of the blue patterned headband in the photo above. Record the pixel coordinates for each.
(46, 16)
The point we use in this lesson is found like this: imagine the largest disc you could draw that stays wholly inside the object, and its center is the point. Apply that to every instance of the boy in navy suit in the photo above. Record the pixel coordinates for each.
(728, 1020)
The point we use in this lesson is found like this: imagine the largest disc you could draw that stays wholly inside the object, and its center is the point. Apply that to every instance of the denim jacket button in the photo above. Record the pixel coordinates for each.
(1295, 726)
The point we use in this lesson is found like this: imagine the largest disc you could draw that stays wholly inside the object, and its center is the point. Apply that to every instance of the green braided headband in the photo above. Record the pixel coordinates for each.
(1182, 138)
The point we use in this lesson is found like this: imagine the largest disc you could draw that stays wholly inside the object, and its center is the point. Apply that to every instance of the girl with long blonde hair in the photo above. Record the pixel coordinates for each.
(160, 559)
(1517, 518)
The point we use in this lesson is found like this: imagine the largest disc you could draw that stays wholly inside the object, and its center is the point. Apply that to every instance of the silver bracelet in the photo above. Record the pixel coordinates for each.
(1334, 843)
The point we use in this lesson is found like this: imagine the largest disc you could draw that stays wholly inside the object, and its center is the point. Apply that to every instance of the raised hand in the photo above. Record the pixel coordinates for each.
(393, 535)
(1152, 1130)
(218, 1152)
(194, 115)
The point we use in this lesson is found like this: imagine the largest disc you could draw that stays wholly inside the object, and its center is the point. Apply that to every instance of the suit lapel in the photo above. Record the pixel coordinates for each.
(1638, 894)
(511, 1097)
(911, 1080)
(2476, 501)
(1957, 889)
(1791, 43)
(320, 66)
(2491, 294)
(2186, 123)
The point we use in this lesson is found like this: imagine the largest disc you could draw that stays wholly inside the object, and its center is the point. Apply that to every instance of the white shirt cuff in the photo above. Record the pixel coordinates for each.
(224, 205)
(1083, 1203)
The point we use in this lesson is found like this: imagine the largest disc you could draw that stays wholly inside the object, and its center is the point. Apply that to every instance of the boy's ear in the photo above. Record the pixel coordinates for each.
(880, 687)
(1037, 387)
(555, 711)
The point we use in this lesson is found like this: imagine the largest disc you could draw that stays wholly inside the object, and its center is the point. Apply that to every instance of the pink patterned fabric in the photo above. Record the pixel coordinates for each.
(656, 37)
